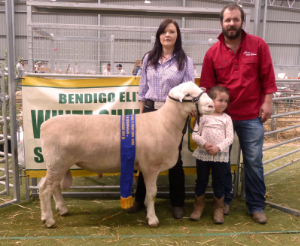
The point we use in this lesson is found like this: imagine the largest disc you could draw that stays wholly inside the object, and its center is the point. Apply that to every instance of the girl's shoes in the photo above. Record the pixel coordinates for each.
(198, 207)
(218, 210)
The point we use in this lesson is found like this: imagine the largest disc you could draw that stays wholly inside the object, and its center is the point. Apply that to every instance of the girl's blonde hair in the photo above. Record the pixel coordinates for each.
(137, 61)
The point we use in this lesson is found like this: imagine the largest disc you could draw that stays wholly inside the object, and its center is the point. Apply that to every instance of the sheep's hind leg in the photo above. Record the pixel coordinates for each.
(45, 192)
(151, 190)
(59, 201)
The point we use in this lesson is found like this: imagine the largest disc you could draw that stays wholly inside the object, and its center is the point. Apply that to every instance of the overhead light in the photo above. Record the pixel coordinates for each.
(147, 1)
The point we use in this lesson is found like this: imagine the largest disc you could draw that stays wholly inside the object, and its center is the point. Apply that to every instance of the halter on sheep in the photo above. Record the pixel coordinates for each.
(85, 141)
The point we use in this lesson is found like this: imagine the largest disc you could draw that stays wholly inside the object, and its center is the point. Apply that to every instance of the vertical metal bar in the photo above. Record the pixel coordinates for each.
(4, 115)
(256, 17)
(243, 182)
(29, 39)
(112, 51)
(52, 56)
(183, 19)
(272, 120)
(13, 24)
(265, 20)
(34, 183)
(99, 45)
(27, 192)
(12, 97)
(235, 157)
(247, 24)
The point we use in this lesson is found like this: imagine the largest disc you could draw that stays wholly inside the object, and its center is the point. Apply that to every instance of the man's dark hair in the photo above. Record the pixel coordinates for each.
(232, 6)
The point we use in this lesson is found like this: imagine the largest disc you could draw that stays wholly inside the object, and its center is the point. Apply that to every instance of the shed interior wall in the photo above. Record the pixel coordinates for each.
(282, 29)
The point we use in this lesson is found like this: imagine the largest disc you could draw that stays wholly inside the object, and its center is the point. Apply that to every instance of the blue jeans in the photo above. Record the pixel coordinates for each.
(251, 138)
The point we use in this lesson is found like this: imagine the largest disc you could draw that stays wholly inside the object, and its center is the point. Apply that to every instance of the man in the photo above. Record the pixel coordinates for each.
(20, 64)
(122, 72)
(107, 70)
(37, 67)
(242, 63)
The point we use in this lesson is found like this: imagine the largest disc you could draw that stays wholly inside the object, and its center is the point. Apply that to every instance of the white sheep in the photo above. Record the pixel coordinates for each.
(92, 142)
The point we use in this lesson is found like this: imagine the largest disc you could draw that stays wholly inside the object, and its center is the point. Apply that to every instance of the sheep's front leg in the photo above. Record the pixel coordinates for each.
(151, 190)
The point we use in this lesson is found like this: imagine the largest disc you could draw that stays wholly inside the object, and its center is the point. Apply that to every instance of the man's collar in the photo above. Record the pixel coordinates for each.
(221, 37)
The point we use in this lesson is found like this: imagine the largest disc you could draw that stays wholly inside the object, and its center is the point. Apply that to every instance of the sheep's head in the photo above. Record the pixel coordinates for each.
(188, 91)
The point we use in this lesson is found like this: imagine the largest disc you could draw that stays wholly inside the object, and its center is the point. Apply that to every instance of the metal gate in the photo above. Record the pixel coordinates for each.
(9, 173)
(9, 170)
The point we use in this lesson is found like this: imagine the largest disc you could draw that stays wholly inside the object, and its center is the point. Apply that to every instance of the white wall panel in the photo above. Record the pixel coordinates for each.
(285, 55)
(44, 18)
(112, 20)
(280, 14)
(283, 32)
(174, 3)
(2, 24)
(21, 47)
(20, 7)
(3, 46)
(21, 24)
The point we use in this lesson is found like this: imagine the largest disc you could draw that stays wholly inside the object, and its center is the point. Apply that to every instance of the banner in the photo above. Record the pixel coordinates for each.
(45, 98)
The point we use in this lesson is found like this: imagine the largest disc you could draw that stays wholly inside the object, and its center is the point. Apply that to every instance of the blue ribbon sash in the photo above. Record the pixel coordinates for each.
(127, 127)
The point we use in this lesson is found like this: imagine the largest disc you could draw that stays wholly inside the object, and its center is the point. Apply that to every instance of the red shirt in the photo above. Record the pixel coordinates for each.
(248, 75)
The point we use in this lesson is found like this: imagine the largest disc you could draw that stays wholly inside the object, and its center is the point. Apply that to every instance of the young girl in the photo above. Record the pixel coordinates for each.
(214, 135)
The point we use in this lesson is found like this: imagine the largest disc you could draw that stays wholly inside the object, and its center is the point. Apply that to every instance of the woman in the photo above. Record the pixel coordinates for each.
(164, 67)
(137, 67)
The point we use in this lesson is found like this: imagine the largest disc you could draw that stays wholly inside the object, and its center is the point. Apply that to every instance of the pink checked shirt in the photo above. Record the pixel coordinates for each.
(217, 130)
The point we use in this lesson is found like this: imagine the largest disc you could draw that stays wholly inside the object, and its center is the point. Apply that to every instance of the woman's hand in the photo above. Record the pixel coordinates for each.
(193, 113)
(142, 104)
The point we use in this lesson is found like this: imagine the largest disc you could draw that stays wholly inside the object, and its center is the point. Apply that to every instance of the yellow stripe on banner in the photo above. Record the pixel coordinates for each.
(75, 173)
(86, 173)
(81, 83)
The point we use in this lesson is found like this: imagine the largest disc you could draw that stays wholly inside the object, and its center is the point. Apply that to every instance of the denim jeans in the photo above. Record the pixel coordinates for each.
(251, 138)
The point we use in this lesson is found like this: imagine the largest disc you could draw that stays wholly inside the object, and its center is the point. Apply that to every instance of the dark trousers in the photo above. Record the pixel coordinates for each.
(218, 177)
(176, 180)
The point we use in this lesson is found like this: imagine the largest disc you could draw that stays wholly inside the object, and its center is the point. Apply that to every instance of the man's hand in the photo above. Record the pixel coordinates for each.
(266, 109)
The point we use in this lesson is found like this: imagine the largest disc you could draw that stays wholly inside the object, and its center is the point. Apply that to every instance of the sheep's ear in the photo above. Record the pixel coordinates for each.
(179, 95)
(203, 89)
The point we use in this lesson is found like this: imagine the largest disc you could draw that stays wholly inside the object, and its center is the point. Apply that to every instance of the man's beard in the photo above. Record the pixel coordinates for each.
(232, 36)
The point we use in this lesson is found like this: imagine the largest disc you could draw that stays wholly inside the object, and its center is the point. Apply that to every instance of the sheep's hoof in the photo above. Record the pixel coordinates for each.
(63, 211)
(50, 223)
(153, 222)
(154, 225)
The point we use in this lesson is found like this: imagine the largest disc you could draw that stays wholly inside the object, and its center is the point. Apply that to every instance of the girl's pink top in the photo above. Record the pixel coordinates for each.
(217, 130)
